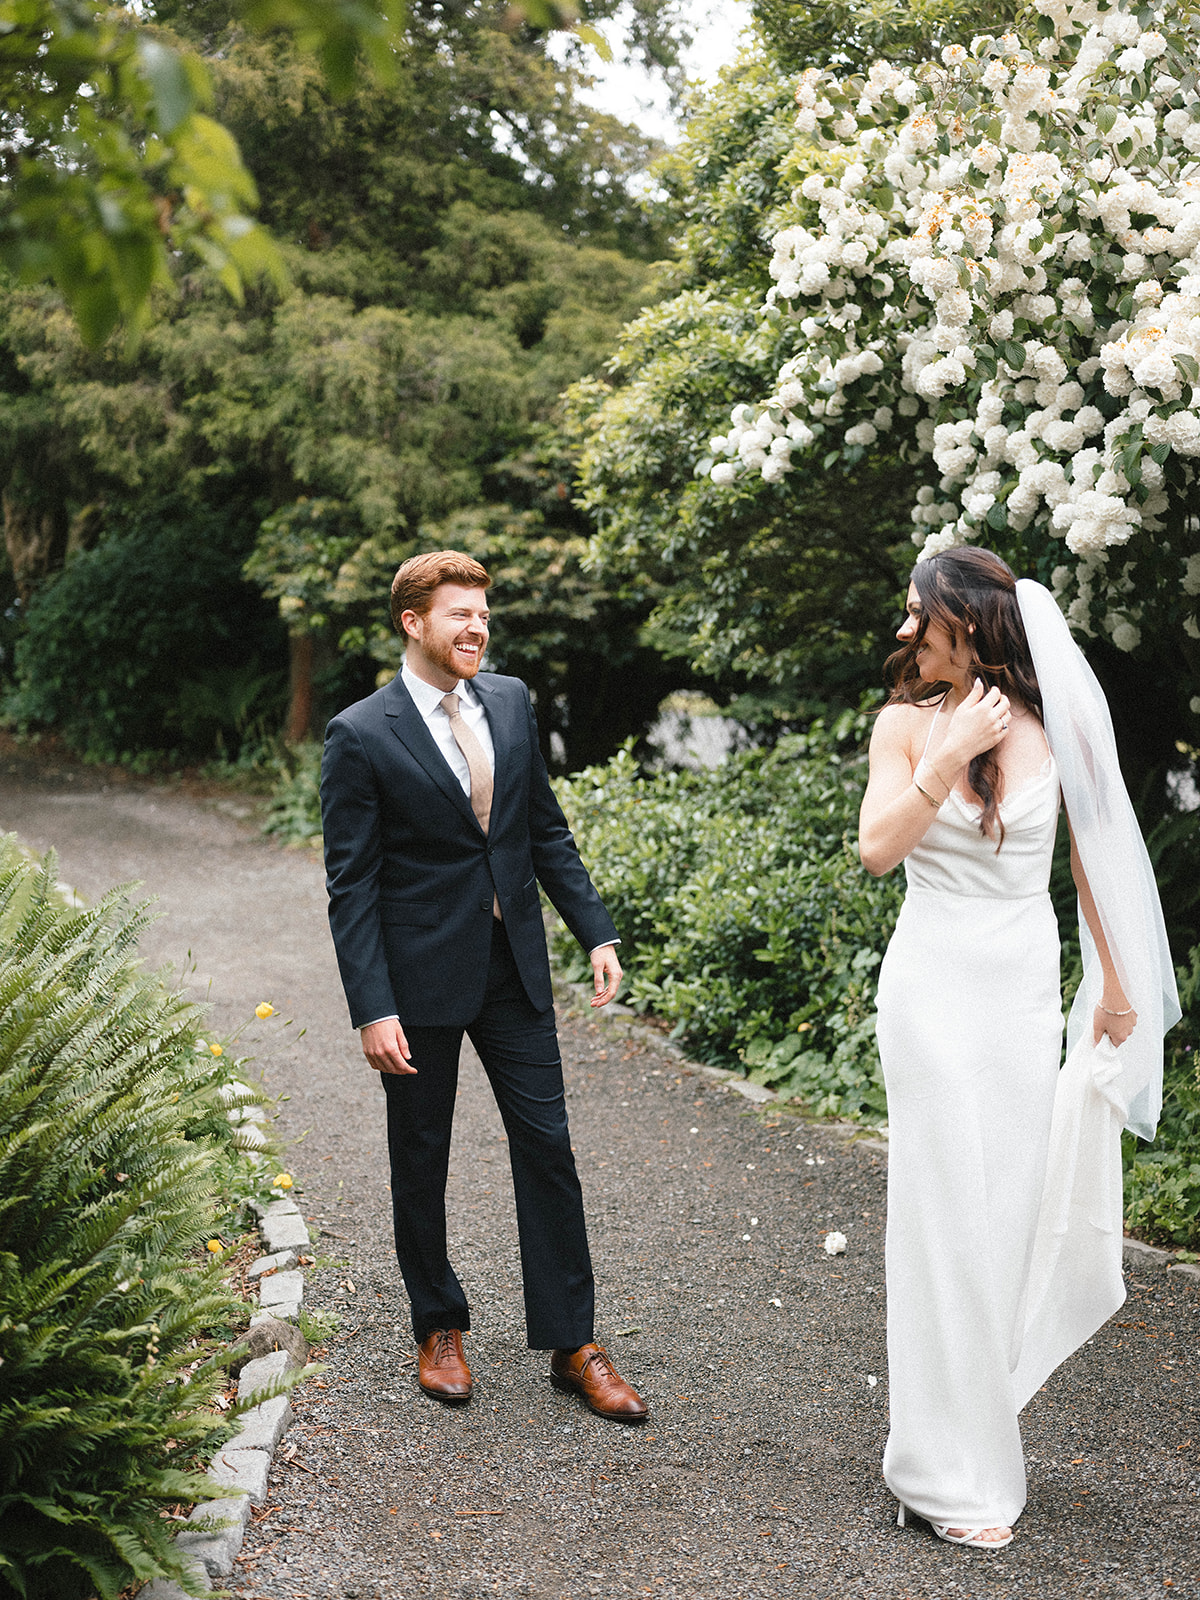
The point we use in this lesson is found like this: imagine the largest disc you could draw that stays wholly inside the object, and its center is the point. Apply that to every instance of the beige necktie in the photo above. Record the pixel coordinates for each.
(477, 762)
(477, 766)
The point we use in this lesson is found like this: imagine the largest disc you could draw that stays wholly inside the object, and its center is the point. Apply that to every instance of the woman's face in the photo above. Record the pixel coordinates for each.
(937, 661)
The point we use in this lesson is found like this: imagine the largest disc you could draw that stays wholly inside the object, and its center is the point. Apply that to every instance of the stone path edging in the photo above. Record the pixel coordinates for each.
(212, 1537)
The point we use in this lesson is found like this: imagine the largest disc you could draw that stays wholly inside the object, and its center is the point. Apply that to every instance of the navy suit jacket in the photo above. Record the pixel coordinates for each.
(411, 874)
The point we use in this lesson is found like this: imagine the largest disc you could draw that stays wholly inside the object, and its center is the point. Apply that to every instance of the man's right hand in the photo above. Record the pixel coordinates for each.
(385, 1046)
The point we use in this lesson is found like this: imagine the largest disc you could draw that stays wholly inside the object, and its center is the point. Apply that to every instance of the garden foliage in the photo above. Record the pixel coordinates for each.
(872, 203)
(748, 923)
(462, 242)
(989, 267)
(151, 642)
(113, 1135)
(745, 917)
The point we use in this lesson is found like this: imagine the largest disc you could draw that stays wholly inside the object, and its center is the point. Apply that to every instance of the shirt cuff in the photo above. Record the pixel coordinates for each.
(390, 1018)
(609, 944)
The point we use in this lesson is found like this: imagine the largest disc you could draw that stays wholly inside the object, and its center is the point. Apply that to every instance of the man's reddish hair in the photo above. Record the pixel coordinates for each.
(414, 584)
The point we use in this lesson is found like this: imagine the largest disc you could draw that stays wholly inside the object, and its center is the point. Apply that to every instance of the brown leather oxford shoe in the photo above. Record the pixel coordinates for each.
(442, 1369)
(589, 1373)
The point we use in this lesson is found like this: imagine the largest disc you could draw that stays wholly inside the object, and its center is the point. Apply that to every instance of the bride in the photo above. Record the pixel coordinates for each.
(1004, 1183)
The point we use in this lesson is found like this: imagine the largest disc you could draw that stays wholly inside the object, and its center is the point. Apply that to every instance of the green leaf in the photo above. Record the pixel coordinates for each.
(997, 517)
(1105, 118)
(593, 36)
(175, 89)
(1014, 354)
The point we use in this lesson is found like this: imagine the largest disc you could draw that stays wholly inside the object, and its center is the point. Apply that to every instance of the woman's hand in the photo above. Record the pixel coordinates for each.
(979, 721)
(1118, 1028)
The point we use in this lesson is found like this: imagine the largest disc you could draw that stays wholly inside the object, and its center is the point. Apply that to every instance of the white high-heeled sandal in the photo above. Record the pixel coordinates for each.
(969, 1536)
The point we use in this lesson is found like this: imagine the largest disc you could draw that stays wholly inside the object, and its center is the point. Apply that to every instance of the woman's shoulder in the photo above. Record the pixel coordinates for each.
(902, 721)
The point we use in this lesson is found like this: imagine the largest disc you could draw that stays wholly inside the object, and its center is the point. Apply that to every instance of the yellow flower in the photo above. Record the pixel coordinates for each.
(215, 1246)
(216, 1049)
(283, 1181)
(264, 1010)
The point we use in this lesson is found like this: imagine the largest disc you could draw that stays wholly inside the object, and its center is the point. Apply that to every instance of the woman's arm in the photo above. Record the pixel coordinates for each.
(1114, 1015)
(895, 815)
(901, 801)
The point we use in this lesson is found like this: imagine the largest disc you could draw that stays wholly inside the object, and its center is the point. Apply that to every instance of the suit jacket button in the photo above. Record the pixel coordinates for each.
(485, 905)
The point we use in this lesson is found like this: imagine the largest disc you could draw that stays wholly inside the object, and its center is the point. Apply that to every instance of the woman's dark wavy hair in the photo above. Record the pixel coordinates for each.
(973, 595)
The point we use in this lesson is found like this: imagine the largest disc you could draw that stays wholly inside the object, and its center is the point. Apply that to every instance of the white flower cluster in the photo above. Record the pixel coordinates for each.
(997, 260)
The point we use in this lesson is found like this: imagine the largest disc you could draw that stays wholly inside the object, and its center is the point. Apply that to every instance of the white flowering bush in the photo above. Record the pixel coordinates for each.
(995, 268)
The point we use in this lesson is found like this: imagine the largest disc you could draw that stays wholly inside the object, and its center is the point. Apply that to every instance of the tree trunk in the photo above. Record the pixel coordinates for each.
(35, 537)
(302, 697)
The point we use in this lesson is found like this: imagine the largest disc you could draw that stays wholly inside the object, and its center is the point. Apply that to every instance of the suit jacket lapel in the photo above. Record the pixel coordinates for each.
(408, 725)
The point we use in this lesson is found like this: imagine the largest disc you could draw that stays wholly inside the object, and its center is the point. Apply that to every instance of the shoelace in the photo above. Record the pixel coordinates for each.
(601, 1355)
(444, 1347)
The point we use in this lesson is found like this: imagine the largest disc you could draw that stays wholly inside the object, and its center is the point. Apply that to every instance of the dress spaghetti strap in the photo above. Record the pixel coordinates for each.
(932, 725)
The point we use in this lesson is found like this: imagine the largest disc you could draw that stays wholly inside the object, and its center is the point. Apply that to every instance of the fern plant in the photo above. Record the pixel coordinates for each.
(107, 1196)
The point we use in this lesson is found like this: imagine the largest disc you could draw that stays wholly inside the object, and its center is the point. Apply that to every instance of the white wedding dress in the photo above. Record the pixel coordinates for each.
(1004, 1178)
(970, 1035)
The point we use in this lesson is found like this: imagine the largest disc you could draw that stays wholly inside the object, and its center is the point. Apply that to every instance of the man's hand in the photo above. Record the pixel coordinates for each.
(385, 1046)
(606, 974)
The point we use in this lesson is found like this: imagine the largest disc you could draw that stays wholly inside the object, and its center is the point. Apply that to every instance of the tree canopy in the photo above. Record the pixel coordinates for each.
(460, 244)
(977, 312)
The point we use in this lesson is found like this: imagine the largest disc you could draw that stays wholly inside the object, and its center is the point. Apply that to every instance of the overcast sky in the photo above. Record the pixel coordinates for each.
(631, 94)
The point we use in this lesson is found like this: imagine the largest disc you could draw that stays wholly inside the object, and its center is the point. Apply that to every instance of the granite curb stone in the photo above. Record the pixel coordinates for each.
(168, 1589)
(215, 1531)
(242, 1469)
(282, 1261)
(282, 1226)
(282, 1294)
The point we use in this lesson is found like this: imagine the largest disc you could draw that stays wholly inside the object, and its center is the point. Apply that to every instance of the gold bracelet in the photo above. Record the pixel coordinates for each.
(936, 804)
(1128, 1012)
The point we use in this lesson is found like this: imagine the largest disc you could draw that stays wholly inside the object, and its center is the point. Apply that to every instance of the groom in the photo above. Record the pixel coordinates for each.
(439, 825)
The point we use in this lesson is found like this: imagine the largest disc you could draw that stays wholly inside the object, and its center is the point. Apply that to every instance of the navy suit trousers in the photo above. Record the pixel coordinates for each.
(518, 1046)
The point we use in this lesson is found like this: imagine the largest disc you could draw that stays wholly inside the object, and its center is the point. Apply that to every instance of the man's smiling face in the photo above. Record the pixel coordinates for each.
(447, 642)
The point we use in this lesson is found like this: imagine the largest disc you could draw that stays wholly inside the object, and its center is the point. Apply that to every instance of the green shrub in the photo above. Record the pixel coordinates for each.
(1162, 1180)
(746, 918)
(152, 641)
(293, 814)
(112, 1131)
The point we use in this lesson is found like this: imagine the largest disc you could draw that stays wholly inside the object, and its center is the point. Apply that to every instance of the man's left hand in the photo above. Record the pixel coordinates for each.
(606, 974)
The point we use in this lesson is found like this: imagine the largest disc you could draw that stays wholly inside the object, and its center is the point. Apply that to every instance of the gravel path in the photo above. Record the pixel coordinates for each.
(763, 1359)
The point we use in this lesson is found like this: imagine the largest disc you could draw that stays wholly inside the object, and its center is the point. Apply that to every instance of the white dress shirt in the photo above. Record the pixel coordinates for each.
(428, 701)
